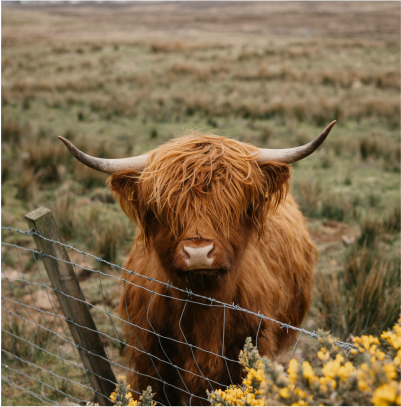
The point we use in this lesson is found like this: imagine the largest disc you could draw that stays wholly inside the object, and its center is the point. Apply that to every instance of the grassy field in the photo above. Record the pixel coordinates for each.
(120, 79)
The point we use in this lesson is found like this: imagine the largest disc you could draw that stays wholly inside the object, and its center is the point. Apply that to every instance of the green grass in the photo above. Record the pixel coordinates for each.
(116, 95)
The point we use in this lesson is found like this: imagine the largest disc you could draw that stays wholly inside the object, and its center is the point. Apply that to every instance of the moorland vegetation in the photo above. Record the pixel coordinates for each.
(114, 95)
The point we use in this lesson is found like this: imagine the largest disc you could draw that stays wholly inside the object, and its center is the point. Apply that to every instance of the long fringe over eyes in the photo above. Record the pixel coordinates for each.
(201, 179)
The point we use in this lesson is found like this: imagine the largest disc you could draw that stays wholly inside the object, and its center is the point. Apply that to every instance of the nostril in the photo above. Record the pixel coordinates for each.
(212, 251)
(184, 253)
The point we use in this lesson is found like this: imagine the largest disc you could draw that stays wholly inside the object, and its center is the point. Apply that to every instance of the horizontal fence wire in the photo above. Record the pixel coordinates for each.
(40, 357)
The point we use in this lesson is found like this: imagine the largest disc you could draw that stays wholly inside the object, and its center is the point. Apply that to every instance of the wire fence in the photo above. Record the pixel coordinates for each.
(41, 356)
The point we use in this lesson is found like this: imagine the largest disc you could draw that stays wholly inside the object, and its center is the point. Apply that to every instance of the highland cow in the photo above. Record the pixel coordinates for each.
(214, 217)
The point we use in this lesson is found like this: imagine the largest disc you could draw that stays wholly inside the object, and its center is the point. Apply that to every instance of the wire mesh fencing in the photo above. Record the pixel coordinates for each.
(47, 362)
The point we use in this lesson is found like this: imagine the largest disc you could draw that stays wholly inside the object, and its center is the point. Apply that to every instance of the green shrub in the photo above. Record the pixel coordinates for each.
(363, 297)
(366, 378)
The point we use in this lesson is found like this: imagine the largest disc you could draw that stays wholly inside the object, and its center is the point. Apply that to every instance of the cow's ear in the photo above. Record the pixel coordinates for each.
(277, 177)
(125, 188)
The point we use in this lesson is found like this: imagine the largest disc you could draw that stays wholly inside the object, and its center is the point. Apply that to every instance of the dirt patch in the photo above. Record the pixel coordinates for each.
(42, 299)
(331, 231)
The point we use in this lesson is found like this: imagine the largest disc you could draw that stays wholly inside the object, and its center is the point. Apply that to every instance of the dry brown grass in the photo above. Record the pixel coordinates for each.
(102, 231)
(362, 298)
(27, 184)
(44, 157)
(376, 146)
(14, 327)
(12, 131)
(249, 70)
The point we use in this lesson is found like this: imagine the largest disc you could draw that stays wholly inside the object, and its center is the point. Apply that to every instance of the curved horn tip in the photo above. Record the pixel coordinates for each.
(64, 140)
(331, 124)
(325, 132)
(69, 145)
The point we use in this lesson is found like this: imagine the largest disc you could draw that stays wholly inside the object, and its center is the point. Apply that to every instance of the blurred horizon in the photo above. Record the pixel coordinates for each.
(378, 20)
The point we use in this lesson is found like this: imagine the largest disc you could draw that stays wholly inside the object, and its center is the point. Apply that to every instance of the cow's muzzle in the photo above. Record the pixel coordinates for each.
(197, 254)
(198, 257)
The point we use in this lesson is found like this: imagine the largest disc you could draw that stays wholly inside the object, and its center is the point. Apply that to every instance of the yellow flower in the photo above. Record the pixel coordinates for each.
(345, 371)
(390, 370)
(323, 354)
(397, 359)
(284, 393)
(380, 355)
(133, 402)
(308, 371)
(292, 370)
(330, 368)
(300, 393)
(393, 339)
(384, 395)
(362, 385)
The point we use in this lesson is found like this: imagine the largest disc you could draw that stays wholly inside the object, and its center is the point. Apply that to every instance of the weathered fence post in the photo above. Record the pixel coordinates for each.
(79, 319)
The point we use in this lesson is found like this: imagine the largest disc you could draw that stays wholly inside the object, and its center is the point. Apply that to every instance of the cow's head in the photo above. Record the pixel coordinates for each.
(200, 199)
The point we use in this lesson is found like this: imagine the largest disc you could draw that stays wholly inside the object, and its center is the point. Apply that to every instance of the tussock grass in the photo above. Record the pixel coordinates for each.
(65, 214)
(6, 168)
(103, 231)
(88, 177)
(370, 230)
(266, 134)
(324, 205)
(373, 227)
(370, 147)
(12, 131)
(336, 207)
(44, 158)
(376, 146)
(391, 222)
(307, 194)
(27, 184)
(363, 298)
(177, 46)
(20, 348)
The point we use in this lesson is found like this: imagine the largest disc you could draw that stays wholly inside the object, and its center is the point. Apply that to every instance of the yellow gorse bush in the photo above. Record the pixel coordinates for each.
(122, 395)
(367, 374)
(251, 392)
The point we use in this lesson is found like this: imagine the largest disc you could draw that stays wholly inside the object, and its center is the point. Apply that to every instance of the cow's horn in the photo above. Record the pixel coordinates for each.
(105, 165)
(290, 155)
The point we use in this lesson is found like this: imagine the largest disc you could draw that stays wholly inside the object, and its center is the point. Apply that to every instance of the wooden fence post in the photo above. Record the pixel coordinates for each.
(64, 280)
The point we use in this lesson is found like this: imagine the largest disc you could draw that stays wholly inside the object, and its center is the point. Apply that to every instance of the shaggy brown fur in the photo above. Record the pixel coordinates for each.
(210, 188)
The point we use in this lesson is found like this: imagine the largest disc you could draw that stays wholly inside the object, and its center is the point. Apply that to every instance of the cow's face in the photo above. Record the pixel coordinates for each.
(200, 202)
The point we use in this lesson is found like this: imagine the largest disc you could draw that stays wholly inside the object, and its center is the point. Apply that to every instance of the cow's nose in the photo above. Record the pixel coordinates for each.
(198, 257)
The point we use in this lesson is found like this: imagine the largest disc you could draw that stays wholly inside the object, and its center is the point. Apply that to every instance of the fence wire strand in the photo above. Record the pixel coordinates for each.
(36, 339)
